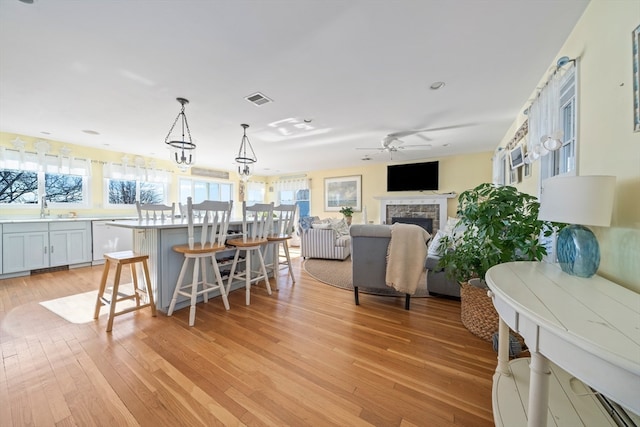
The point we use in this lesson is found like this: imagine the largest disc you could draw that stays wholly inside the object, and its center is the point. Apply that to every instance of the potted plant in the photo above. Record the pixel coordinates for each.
(347, 211)
(497, 224)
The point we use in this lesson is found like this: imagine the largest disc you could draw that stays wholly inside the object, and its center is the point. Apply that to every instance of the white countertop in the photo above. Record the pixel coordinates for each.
(55, 218)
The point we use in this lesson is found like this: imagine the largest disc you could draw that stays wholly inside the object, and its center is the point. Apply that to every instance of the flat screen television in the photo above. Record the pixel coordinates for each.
(413, 177)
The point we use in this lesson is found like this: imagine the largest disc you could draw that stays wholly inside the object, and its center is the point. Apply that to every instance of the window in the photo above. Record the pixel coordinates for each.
(25, 177)
(255, 193)
(552, 117)
(563, 161)
(201, 190)
(125, 185)
(294, 190)
(18, 187)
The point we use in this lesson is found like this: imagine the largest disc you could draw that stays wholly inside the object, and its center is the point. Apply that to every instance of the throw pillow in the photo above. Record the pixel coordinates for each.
(434, 245)
(322, 226)
(451, 225)
(306, 221)
(341, 227)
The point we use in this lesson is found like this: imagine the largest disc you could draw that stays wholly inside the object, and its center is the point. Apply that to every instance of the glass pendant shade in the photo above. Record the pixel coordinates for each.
(181, 146)
(552, 144)
(246, 156)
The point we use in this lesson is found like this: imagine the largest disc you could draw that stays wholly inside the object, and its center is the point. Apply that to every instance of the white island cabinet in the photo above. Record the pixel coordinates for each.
(584, 339)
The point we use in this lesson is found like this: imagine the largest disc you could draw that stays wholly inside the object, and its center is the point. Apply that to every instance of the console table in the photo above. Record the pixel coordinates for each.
(579, 331)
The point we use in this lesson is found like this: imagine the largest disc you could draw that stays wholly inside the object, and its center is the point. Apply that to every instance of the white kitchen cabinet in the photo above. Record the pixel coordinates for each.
(34, 245)
(69, 243)
(25, 247)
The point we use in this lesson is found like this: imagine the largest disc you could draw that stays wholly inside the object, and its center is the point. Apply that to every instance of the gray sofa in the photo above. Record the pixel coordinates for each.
(437, 281)
(369, 244)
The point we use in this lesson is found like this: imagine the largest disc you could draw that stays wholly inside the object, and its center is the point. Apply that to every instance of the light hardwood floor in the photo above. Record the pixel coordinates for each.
(305, 355)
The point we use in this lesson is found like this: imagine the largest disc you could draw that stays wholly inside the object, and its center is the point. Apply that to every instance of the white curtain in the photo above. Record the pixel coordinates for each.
(544, 113)
(135, 173)
(290, 184)
(18, 160)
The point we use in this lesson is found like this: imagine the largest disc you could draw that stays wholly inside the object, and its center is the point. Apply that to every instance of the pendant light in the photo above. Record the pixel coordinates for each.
(182, 150)
(246, 156)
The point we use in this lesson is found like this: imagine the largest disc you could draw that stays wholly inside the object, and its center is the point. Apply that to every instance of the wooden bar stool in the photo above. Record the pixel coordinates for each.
(119, 259)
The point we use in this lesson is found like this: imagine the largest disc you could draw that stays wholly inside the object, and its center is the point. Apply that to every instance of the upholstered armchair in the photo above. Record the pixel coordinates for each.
(322, 240)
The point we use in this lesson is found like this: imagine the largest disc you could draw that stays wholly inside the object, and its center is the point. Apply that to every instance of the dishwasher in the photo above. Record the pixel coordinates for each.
(107, 237)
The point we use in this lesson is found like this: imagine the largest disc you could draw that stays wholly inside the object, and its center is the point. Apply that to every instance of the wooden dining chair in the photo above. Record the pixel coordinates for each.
(155, 212)
(280, 235)
(213, 218)
(256, 224)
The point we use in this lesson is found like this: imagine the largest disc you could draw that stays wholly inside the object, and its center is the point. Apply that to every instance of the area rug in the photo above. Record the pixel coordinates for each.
(338, 273)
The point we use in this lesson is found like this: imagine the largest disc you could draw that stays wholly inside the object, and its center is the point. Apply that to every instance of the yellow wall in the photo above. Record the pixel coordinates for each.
(607, 143)
(457, 173)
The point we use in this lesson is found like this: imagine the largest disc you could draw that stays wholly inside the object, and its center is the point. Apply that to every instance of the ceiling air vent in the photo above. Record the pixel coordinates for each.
(258, 99)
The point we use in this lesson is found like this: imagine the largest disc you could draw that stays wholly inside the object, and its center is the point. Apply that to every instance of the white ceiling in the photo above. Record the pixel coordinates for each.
(358, 69)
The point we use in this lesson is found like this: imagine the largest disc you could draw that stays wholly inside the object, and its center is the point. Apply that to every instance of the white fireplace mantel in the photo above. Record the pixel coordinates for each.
(432, 199)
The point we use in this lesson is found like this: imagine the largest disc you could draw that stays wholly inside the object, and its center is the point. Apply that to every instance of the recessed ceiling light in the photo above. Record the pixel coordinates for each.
(91, 132)
(436, 85)
(45, 133)
(308, 120)
(365, 158)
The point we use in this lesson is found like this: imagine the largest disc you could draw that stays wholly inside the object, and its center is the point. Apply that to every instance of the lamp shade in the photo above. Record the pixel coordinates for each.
(585, 200)
(579, 201)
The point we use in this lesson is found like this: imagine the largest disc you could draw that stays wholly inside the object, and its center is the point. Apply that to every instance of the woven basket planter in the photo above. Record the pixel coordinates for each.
(478, 314)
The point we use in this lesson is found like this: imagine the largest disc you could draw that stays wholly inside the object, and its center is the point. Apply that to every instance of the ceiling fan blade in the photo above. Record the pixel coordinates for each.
(369, 148)
(423, 146)
(404, 133)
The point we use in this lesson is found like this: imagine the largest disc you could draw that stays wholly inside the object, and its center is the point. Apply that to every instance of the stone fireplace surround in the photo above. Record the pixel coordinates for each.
(433, 206)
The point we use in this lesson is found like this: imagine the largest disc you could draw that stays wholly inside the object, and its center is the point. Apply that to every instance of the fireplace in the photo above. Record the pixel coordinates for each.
(415, 208)
(426, 223)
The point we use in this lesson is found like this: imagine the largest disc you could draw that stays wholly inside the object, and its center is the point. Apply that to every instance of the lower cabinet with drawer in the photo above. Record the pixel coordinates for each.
(36, 245)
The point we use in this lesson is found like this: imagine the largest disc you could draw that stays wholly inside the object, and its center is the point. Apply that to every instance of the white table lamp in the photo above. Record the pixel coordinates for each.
(578, 201)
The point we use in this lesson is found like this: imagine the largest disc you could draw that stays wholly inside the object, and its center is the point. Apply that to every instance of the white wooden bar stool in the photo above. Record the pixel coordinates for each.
(254, 236)
(131, 259)
(213, 216)
(154, 212)
(280, 235)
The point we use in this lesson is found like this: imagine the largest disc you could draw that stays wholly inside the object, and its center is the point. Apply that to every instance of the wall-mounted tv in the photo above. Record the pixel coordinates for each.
(413, 177)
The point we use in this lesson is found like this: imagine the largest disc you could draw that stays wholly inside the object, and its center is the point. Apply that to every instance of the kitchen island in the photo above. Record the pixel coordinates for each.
(156, 238)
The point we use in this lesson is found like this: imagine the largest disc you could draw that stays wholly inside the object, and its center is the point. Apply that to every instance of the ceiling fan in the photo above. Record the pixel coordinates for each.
(393, 144)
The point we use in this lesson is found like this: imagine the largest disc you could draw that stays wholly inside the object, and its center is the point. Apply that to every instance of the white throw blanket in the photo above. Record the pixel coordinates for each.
(405, 257)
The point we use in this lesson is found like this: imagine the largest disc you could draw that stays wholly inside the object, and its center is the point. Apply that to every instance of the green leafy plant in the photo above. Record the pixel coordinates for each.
(497, 224)
(346, 211)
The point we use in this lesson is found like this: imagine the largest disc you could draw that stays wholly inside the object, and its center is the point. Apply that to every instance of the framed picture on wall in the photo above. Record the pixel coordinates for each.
(636, 79)
(514, 176)
(343, 191)
(516, 155)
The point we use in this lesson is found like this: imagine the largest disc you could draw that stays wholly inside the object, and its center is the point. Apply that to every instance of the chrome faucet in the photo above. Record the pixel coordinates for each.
(43, 206)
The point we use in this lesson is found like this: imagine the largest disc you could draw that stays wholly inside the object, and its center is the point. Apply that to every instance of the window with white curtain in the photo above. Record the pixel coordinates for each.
(200, 190)
(125, 184)
(552, 120)
(26, 177)
(294, 190)
(255, 192)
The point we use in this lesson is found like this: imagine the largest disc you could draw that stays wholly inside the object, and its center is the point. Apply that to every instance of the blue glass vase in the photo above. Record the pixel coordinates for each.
(578, 251)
